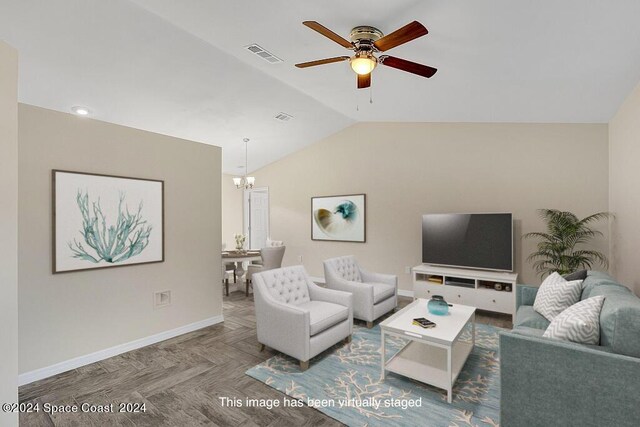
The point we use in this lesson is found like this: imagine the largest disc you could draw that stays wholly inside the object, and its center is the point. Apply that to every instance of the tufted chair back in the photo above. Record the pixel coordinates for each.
(345, 267)
(287, 285)
(273, 243)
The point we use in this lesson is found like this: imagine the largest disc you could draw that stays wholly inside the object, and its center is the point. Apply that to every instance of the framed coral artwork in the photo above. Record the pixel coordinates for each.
(104, 221)
(339, 218)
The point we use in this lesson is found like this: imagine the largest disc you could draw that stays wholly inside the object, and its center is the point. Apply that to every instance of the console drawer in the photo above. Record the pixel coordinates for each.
(499, 301)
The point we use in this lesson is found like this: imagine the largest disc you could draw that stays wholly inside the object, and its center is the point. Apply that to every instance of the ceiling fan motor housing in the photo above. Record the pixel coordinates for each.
(364, 36)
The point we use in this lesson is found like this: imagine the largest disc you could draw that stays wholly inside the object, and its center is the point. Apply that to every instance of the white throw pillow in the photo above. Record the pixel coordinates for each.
(579, 323)
(556, 295)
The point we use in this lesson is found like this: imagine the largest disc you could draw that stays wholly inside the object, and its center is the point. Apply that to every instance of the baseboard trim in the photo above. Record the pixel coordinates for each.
(67, 365)
(404, 293)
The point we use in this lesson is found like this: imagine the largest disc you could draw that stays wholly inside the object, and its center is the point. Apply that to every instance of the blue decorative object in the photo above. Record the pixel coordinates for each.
(438, 306)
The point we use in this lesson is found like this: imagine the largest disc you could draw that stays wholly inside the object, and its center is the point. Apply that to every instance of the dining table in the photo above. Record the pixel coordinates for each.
(240, 257)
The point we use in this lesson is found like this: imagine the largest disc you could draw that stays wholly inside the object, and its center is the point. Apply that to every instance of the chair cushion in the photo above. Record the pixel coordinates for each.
(527, 316)
(576, 275)
(346, 267)
(287, 285)
(579, 323)
(556, 295)
(323, 315)
(382, 291)
(596, 279)
(620, 315)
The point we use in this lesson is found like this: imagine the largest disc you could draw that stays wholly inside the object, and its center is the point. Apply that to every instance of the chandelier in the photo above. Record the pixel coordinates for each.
(244, 182)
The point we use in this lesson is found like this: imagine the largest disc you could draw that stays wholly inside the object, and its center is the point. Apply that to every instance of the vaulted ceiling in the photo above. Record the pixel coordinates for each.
(182, 68)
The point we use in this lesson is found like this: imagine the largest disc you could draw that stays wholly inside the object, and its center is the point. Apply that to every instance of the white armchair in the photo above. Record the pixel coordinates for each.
(374, 294)
(297, 317)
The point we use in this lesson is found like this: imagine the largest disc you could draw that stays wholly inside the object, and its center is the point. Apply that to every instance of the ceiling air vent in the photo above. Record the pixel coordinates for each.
(264, 54)
(283, 117)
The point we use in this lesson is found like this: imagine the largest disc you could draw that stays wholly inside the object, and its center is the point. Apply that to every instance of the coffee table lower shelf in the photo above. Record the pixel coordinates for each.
(428, 363)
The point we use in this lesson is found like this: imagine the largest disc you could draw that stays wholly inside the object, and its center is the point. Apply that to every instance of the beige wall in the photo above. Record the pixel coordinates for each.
(624, 190)
(231, 211)
(8, 231)
(69, 315)
(408, 169)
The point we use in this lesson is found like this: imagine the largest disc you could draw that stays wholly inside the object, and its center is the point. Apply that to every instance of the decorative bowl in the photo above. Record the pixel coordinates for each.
(438, 306)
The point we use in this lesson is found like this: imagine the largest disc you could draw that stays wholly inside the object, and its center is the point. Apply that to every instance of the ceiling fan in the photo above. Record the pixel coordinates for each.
(366, 42)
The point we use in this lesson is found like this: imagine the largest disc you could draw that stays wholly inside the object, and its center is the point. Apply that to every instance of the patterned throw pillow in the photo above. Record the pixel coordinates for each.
(579, 323)
(556, 295)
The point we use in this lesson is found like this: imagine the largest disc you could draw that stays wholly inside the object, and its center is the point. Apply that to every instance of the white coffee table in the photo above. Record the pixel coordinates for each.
(433, 356)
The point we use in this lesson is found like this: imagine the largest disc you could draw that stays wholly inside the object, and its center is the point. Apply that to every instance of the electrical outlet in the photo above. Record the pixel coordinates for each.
(161, 299)
(300, 259)
(407, 270)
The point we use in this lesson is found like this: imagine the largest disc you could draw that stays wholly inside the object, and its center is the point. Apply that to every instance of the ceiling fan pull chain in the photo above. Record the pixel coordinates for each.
(370, 95)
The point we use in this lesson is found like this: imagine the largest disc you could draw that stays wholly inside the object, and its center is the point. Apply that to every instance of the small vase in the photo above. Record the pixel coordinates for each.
(438, 306)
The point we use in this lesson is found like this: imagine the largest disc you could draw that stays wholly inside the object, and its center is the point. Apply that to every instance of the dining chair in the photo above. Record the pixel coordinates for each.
(271, 259)
(229, 269)
(269, 244)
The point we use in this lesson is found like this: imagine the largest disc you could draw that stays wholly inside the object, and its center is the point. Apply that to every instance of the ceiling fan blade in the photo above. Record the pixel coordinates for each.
(408, 66)
(328, 33)
(403, 35)
(322, 61)
(364, 80)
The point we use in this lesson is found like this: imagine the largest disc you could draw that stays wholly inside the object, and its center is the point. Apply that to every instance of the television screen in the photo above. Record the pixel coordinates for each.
(483, 241)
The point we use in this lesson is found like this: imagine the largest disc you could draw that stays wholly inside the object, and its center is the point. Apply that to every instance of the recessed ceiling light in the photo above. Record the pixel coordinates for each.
(81, 111)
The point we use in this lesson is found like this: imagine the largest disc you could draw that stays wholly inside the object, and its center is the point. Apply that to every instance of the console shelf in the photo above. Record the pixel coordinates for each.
(476, 288)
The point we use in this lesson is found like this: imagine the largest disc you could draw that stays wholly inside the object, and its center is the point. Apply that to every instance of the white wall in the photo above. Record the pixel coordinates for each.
(8, 231)
(624, 190)
(68, 315)
(408, 169)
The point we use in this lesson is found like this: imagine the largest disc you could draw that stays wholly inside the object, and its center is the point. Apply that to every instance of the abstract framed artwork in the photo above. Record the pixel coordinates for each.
(105, 221)
(339, 218)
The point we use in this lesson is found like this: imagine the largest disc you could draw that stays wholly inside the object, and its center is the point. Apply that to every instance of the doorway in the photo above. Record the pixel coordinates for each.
(256, 217)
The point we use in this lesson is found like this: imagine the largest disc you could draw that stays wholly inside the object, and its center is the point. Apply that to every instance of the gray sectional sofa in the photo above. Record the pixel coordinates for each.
(546, 382)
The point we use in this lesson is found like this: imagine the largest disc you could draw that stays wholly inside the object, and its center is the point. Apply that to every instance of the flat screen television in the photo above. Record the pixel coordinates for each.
(482, 241)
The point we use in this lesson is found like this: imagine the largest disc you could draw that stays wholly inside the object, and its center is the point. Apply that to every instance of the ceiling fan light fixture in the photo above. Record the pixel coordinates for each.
(363, 63)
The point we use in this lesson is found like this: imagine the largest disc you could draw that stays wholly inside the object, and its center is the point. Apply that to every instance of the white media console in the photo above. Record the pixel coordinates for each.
(475, 288)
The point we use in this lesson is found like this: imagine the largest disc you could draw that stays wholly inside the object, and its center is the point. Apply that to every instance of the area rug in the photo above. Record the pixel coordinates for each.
(344, 383)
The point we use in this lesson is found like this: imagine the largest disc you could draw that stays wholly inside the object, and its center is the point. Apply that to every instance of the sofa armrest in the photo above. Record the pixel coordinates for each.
(319, 293)
(362, 292)
(525, 295)
(369, 276)
(553, 383)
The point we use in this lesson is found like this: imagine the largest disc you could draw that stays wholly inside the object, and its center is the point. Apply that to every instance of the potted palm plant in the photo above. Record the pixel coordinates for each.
(559, 247)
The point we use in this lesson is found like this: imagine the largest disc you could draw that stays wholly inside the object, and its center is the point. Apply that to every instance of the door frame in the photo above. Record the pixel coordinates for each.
(246, 211)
